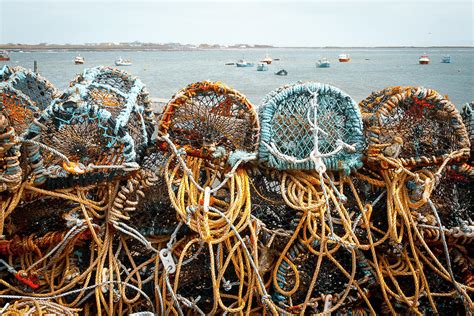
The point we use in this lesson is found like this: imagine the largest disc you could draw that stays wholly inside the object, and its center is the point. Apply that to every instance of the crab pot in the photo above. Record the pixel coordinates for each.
(27, 83)
(155, 215)
(330, 280)
(418, 126)
(289, 117)
(270, 208)
(94, 123)
(210, 120)
(125, 97)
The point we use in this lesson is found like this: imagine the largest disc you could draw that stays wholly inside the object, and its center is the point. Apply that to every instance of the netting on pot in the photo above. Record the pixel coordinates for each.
(93, 132)
(37, 88)
(303, 116)
(153, 213)
(416, 141)
(316, 282)
(74, 143)
(125, 97)
(417, 126)
(268, 206)
(211, 120)
(211, 131)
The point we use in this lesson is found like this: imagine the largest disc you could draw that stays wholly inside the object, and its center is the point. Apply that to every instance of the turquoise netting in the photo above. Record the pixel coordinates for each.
(103, 118)
(291, 116)
(39, 90)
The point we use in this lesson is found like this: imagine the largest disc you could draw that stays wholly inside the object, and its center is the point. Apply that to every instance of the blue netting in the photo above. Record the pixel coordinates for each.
(103, 118)
(287, 119)
(39, 90)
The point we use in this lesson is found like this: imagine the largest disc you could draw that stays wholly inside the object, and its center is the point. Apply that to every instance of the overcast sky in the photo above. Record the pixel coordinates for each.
(279, 23)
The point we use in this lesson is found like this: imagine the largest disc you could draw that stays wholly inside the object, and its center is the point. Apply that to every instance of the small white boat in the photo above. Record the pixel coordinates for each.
(323, 63)
(446, 59)
(4, 55)
(79, 60)
(123, 62)
(344, 58)
(242, 63)
(424, 60)
(262, 67)
(267, 60)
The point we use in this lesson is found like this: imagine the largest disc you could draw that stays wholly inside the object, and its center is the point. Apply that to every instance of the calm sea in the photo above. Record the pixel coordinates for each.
(165, 73)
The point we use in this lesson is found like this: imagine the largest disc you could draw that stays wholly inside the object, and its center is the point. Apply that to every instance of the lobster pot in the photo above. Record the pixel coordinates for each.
(17, 111)
(69, 143)
(453, 198)
(376, 99)
(103, 119)
(290, 117)
(418, 126)
(268, 206)
(331, 283)
(154, 214)
(125, 97)
(217, 128)
(38, 89)
(210, 120)
(23, 95)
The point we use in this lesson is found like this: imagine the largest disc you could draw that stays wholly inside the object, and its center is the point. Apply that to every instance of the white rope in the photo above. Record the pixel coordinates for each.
(191, 303)
(124, 228)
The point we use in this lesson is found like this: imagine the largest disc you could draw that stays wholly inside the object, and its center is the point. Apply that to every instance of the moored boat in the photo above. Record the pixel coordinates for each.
(123, 62)
(344, 58)
(79, 60)
(267, 60)
(323, 63)
(446, 59)
(4, 56)
(281, 72)
(262, 67)
(243, 63)
(424, 59)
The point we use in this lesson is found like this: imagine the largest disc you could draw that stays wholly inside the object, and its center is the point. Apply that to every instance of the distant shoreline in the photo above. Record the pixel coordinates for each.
(179, 47)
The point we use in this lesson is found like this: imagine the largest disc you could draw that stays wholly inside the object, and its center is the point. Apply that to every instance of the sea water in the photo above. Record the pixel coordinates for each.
(371, 69)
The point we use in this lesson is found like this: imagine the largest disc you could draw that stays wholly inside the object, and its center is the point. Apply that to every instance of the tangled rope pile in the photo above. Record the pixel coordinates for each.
(314, 205)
